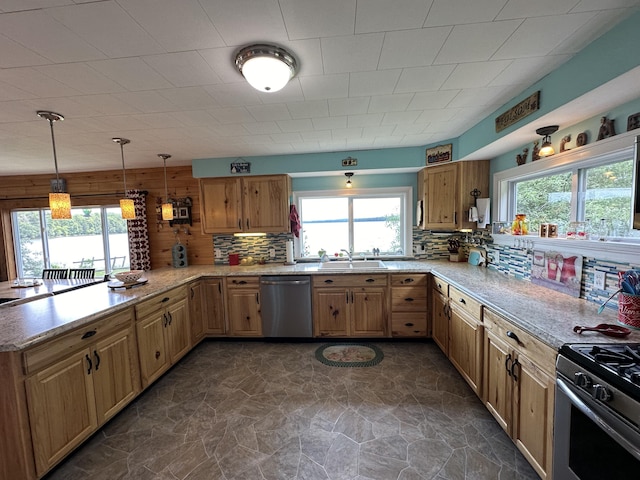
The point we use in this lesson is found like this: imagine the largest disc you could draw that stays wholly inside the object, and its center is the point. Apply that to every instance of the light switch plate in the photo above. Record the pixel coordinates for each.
(599, 280)
(217, 253)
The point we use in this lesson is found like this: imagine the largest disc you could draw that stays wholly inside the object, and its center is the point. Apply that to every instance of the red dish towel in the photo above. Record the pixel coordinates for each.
(295, 220)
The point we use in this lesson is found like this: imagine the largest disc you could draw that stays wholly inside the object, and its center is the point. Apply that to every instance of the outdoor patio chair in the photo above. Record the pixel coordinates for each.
(55, 273)
(82, 272)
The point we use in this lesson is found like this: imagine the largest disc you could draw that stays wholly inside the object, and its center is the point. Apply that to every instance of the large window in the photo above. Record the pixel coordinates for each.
(92, 238)
(365, 221)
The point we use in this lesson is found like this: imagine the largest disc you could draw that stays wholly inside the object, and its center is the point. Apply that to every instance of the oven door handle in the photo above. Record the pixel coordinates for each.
(580, 405)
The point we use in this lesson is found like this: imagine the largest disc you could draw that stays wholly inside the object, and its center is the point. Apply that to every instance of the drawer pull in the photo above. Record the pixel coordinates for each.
(513, 370)
(439, 286)
(170, 317)
(166, 320)
(507, 366)
(408, 280)
(513, 336)
(328, 281)
(370, 280)
(408, 324)
(165, 299)
(89, 364)
(89, 334)
(409, 299)
(241, 282)
(157, 355)
(95, 354)
(463, 301)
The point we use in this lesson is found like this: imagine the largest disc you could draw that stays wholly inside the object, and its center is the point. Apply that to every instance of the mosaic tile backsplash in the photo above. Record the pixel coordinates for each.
(427, 245)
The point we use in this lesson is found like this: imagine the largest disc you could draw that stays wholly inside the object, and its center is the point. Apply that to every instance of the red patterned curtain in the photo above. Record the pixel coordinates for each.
(138, 232)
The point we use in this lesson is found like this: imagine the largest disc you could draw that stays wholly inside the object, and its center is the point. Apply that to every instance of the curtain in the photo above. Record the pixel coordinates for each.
(138, 231)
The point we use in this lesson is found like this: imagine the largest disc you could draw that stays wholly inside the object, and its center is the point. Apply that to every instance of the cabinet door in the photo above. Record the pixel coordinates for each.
(152, 350)
(177, 330)
(213, 306)
(266, 204)
(244, 312)
(368, 312)
(330, 312)
(196, 316)
(221, 205)
(115, 376)
(62, 409)
(440, 319)
(440, 196)
(534, 397)
(497, 382)
(465, 347)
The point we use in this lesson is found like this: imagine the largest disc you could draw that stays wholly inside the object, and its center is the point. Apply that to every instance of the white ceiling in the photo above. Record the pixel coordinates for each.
(373, 74)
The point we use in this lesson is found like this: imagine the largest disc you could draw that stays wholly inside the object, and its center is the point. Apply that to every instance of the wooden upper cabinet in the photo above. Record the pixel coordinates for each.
(446, 193)
(247, 204)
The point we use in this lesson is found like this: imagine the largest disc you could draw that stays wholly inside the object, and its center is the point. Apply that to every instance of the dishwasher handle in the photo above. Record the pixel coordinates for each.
(285, 282)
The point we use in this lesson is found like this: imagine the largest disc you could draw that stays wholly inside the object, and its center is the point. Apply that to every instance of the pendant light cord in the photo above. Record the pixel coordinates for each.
(55, 157)
(124, 172)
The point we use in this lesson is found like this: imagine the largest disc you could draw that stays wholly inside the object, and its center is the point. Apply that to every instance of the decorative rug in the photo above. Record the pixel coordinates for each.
(349, 355)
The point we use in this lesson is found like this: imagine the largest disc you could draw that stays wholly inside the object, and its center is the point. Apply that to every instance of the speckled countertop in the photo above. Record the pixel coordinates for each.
(548, 315)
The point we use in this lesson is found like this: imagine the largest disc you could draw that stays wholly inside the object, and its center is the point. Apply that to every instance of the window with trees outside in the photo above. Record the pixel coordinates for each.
(597, 191)
(363, 221)
(94, 237)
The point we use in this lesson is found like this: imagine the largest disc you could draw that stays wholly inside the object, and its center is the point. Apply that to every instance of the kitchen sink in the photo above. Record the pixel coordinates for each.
(357, 265)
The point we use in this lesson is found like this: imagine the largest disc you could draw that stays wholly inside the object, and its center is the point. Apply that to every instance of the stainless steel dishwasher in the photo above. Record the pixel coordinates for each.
(286, 306)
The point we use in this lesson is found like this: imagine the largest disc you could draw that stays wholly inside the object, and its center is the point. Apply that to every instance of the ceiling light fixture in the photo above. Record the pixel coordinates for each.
(167, 206)
(127, 207)
(266, 67)
(59, 200)
(546, 149)
(349, 175)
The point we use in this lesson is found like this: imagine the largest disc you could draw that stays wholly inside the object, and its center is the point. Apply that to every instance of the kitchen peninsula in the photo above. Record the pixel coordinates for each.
(113, 325)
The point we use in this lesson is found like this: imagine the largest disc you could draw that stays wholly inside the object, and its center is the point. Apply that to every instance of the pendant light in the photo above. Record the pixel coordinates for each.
(267, 68)
(546, 148)
(59, 200)
(349, 175)
(167, 207)
(127, 207)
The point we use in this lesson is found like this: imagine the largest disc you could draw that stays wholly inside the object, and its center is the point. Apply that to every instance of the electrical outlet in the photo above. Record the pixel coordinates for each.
(272, 253)
(217, 253)
(599, 280)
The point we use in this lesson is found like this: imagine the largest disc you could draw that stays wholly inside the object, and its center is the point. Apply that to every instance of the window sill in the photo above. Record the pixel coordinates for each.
(609, 250)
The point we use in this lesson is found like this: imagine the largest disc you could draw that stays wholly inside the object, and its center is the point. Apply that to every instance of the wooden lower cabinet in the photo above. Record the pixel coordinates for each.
(73, 396)
(243, 306)
(519, 383)
(213, 306)
(163, 332)
(440, 321)
(465, 347)
(350, 306)
(196, 311)
(409, 311)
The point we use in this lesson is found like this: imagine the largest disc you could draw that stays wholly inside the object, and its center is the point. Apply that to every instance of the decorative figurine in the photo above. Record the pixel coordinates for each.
(563, 143)
(581, 139)
(521, 158)
(633, 121)
(535, 155)
(606, 128)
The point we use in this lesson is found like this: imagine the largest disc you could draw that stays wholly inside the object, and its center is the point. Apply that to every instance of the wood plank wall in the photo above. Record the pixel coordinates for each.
(106, 188)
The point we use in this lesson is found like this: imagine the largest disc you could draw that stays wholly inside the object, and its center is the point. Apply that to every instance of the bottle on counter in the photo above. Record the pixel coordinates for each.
(520, 225)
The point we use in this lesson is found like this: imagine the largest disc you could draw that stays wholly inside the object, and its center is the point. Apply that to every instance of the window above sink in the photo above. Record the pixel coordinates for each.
(356, 265)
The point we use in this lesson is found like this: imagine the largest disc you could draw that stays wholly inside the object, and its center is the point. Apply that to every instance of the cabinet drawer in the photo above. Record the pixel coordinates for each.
(465, 302)
(441, 286)
(409, 299)
(379, 280)
(160, 301)
(406, 324)
(413, 280)
(44, 354)
(519, 340)
(243, 282)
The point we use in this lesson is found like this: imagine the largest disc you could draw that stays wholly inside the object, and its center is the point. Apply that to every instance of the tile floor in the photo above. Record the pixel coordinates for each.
(255, 411)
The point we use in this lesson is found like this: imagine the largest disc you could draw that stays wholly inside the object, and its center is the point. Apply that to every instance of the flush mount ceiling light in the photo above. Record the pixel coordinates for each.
(348, 175)
(266, 67)
(59, 200)
(167, 206)
(126, 204)
(546, 149)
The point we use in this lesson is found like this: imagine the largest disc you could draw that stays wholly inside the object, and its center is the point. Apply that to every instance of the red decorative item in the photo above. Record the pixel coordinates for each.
(629, 309)
(568, 269)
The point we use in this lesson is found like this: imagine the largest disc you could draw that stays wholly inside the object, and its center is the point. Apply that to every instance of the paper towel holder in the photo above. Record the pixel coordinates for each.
(475, 193)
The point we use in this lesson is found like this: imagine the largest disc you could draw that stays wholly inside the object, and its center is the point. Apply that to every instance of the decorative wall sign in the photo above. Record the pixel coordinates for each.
(241, 167)
(633, 121)
(439, 154)
(518, 112)
(556, 271)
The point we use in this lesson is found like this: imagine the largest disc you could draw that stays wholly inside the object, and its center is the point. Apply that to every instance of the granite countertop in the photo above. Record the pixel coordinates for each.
(548, 315)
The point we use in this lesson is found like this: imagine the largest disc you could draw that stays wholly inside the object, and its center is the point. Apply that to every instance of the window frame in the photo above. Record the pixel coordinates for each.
(406, 211)
(610, 150)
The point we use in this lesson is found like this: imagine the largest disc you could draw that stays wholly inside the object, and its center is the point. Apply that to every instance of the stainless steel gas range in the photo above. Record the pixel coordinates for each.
(597, 412)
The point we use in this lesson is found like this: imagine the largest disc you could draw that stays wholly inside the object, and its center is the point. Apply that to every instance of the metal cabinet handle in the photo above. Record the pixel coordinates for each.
(463, 301)
(239, 224)
(166, 320)
(513, 369)
(88, 334)
(170, 317)
(408, 280)
(506, 365)
(95, 354)
(241, 282)
(258, 298)
(409, 299)
(513, 336)
(248, 227)
(89, 364)
(165, 299)
(439, 286)
(193, 294)
(157, 355)
(408, 324)
(328, 281)
(370, 280)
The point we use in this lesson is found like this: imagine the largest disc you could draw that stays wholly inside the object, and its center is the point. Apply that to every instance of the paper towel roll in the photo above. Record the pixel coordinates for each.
(473, 214)
(289, 251)
(484, 213)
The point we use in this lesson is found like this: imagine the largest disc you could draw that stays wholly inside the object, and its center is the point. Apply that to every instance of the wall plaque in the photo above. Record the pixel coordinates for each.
(518, 112)
(441, 153)
(240, 167)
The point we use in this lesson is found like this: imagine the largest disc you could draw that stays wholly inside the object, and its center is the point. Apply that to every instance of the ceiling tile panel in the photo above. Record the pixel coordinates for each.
(312, 19)
(9, 92)
(240, 93)
(32, 81)
(314, 108)
(222, 61)
(367, 120)
(526, 70)
(131, 73)
(475, 42)
(325, 86)
(146, 102)
(476, 74)
(348, 106)
(81, 77)
(399, 118)
(412, 48)
(12, 54)
(390, 103)
(177, 26)
(96, 24)
(382, 15)
(291, 93)
(381, 82)
(189, 97)
(425, 100)
(106, 104)
(262, 128)
(231, 115)
(352, 53)
(539, 8)
(185, 69)
(456, 12)
(421, 79)
(265, 113)
(298, 125)
(329, 123)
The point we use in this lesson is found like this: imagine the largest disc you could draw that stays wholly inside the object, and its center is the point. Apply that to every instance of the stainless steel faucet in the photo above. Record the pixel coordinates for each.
(348, 254)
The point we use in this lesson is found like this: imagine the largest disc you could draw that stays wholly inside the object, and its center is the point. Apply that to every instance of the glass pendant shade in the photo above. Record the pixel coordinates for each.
(127, 208)
(267, 68)
(546, 149)
(167, 211)
(60, 205)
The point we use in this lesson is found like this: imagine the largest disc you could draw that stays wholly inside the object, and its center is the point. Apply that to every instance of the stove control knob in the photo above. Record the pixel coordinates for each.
(582, 380)
(601, 393)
